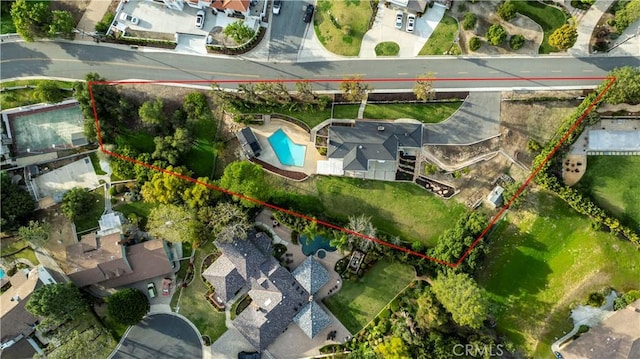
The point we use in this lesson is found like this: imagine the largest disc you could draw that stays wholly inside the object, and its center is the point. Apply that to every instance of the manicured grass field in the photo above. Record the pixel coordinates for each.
(549, 17)
(387, 48)
(427, 113)
(193, 304)
(443, 36)
(614, 183)
(543, 261)
(342, 36)
(90, 219)
(139, 140)
(345, 111)
(201, 157)
(15, 244)
(402, 209)
(361, 300)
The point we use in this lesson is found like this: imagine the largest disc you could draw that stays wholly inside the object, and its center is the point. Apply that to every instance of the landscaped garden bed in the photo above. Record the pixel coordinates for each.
(341, 25)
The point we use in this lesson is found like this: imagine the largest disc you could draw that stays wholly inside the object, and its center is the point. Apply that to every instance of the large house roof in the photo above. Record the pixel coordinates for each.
(311, 275)
(366, 141)
(237, 5)
(277, 297)
(224, 277)
(312, 319)
(15, 318)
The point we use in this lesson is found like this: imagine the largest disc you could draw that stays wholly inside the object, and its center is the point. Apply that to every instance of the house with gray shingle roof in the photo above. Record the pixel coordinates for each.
(369, 149)
(278, 297)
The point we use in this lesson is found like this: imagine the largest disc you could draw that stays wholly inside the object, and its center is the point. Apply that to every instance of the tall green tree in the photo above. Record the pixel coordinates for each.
(460, 295)
(423, 89)
(48, 92)
(455, 241)
(198, 196)
(496, 34)
(175, 224)
(36, 233)
(152, 112)
(239, 31)
(111, 108)
(62, 24)
(354, 89)
(627, 15)
(247, 179)
(17, 205)
(89, 343)
(128, 306)
(76, 202)
(394, 348)
(166, 188)
(430, 313)
(226, 221)
(564, 37)
(60, 301)
(507, 11)
(30, 18)
(626, 88)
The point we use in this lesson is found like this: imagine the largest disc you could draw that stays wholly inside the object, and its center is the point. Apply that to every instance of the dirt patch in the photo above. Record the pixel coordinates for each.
(61, 235)
(486, 14)
(75, 7)
(220, 39)
(457, 155)
(574, 167)
(603, 35)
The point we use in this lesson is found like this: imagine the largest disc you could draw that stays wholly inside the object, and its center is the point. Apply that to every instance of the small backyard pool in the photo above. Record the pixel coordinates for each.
(288, 152)
(1, 273)
(319, 244)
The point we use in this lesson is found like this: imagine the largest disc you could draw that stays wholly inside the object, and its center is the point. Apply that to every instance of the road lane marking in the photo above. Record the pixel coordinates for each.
(525, 71)
(462, 72)
(587, 70)
(128, 65)
(556, 71)
(403, 73)
(493, 72)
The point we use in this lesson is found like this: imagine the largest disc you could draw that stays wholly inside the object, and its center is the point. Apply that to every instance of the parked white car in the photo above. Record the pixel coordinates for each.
(399, 19)
(277, 5)
(200, 19)
(126, 17)
(411, 22)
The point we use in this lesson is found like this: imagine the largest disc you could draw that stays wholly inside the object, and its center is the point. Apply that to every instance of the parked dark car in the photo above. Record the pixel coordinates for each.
(308, 14)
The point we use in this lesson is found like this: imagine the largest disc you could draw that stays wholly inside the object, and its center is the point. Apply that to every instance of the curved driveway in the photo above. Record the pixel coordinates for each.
(74, 60)
(160, 336)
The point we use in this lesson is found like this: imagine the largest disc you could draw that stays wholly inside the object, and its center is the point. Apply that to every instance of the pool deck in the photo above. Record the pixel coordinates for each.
(297, 135)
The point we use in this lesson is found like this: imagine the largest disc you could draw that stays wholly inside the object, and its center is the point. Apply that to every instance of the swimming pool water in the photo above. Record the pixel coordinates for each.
(318, 243)
(1, 273)
(288, 152)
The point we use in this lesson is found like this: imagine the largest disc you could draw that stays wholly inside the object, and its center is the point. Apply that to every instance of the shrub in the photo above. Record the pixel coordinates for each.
(103, 25)
(475, 43)
(469, 21)
(611, 22)
(507, 11)
(533, 146)
(516, 42)
(596, 299)
(564, 37)
(496, 34)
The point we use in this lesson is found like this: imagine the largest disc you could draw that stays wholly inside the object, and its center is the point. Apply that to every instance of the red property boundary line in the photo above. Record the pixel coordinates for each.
(374, 80)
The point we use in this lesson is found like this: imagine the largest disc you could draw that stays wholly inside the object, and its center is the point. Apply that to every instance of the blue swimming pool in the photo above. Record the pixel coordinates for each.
(1, 273)
(313, 246)
(288, 152)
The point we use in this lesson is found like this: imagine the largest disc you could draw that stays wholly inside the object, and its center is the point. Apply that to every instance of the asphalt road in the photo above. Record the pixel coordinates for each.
(287, 31)
(160, 336)
(74, 60)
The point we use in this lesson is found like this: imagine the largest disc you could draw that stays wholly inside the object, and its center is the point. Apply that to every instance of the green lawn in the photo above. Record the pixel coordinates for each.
(201, 157)
(387, 48)
(90, 219)
(12, 245)
(442, 38)
(345, 111)
(24, 97)
(402, 209)
(360, 300)
(140, 140)
(193, 304)
(614, 183)
(542, 262)
(311, 117)
(549, 17)
(140, 208)
(95, 162)
(424, 112)
(343, 35)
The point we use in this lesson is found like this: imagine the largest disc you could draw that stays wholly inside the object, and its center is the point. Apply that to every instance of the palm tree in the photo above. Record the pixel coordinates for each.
(361, 224)
(340, 241)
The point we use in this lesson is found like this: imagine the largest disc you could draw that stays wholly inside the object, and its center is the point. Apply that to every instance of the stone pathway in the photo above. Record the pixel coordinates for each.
(92, 15)
(586, 26)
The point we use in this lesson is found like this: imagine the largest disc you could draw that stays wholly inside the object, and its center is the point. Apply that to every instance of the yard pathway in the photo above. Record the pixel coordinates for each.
(586, 27)
(92, 15)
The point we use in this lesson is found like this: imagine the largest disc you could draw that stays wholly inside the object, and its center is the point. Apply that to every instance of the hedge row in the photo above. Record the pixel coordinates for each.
(238, 50)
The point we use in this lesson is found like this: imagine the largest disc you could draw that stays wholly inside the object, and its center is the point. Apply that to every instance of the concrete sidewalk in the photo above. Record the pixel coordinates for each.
(92, 15)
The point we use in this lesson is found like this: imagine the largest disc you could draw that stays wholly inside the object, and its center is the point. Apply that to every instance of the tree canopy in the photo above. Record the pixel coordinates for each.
(76, 202)
(507, 11)
(393, 348)
(36, 233)
(30, 18)
(17, 205)
(461, 296)
(48, 92)
(354, 90)
(455, 241)
(496, 34)
(245, 178)
(564, 37)
(128, 306)
(166, 188)
(62, 24)
(430, 313)
(423, 89)
(239, 31)
(60, 301)
(626, 88)
(175, 224)
(110, 107)
(226, 221)
(152, 112)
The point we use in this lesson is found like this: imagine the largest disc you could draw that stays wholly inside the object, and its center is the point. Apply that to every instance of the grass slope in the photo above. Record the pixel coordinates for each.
(541, 264)
(402, 209)
(24, 97)
(344, 35)
(549, 17)
(614, 183)
(361, 300)
(442, 38)
(424, 112)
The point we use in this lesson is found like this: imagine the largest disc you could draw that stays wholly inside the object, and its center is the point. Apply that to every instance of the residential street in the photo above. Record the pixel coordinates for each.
(74, 60)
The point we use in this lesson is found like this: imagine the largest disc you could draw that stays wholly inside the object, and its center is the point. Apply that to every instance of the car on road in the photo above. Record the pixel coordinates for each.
(399, 19)
(558, 355)
(411, 22)
(200, 19)
(308, 14)
(277, 4)
(166, 286)
(151, 289)
(126, 17)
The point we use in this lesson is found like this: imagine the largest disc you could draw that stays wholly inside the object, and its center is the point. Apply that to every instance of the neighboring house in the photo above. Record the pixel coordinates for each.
(279, 297)
(230, 7)
(17, 322)
(249, 142)
(495, 196)
(109, 259)
(617, 337)
(412, 6)
(369, 149)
